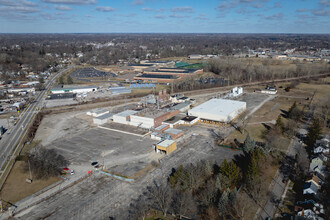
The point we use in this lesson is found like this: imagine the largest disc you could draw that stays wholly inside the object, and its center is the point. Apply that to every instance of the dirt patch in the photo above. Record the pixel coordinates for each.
(16, 188)
(57, 126)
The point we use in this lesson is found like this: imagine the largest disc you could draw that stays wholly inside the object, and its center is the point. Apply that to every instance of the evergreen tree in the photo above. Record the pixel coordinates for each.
(293, 106)
(231, 171)
(249, 144)
(41, 80)
(69, 80)
(294, 112)
(232, 197)
(252, 170)
(218, 184)
(222, 204)
(314, 132)
(267, 147)
(279, 124)
(60, 80)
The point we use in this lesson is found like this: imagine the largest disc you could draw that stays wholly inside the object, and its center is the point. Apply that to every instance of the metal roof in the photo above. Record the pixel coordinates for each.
(218, 107)
(161, 127)
(126, 113)
(173, 131)
(107, 115)
(72, 88)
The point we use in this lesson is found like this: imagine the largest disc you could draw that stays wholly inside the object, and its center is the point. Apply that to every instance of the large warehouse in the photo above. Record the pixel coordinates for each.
(218, 110)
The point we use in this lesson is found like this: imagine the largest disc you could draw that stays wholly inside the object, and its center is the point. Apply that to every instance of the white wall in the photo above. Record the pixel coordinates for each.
(120, 119)
(143, 122)
(100, 121)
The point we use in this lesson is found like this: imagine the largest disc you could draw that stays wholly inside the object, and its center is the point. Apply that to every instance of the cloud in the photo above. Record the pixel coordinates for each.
(127, 15)
(17, 3)
(178, 16)
(147, 9)
(186, 9)
(17, 16)
(138, 2)
(62, 8)
(324, 2)
(299, 10)
(104, 9)
(201, 18)
(71, 2)
(161, 10)
(160, 16)
(258, 5)
(321, 12)
(227, 5)
(7, 2)
(252, 1)
(20, 9)
(27, 3)
(278, 16)
(277, 5)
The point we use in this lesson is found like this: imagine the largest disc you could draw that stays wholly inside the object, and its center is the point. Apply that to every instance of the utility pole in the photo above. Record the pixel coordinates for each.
(30, 170)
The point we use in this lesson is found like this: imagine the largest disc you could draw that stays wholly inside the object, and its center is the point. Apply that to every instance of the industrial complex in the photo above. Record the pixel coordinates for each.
(218, 110)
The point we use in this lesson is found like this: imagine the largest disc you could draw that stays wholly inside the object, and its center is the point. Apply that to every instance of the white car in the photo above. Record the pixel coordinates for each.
(72, 172)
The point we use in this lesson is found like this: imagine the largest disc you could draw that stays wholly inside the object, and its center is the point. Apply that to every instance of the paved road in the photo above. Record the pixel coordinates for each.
(277, 186)
(12, 136)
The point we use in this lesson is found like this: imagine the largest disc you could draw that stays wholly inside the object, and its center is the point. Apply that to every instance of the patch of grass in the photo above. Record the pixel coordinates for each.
(16, 188)
(255, 131)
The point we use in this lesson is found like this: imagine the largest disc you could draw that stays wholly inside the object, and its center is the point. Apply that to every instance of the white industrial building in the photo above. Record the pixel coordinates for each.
(124, 117)
(142, 122)
(236, 91)
(218, 110)
(98, 112)
(81, 89)
(100, 120)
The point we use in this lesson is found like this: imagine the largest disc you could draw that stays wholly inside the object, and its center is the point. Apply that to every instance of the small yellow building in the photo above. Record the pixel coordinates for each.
(166, 146)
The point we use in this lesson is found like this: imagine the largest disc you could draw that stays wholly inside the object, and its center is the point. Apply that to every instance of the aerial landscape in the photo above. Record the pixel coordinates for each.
(148, 109)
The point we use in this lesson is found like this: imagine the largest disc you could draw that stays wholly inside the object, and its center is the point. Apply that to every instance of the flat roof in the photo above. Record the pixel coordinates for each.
(173, 131)
(107, 115)
(126, 113)
(166, 143)
(98, 111)
(158, 76)
(72, 88)
(161, 127)
(174, 119)
(218, 107)
(189, 118)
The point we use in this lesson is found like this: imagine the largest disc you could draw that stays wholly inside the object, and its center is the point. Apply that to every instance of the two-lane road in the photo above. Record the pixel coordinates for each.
(10, 141)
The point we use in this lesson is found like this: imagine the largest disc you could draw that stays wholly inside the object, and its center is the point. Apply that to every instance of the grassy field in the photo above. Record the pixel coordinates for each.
(16, 188)
(255, 131)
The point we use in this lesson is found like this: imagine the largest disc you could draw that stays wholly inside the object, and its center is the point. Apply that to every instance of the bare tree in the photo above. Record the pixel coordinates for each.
(160, 196)
(183, 204)
(45, 162)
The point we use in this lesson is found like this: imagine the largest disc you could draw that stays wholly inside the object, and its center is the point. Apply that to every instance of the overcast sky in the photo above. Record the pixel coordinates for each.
(165, 16)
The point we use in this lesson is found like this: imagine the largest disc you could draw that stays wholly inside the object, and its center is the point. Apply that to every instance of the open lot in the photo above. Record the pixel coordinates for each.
(100, 196)
(112, 148)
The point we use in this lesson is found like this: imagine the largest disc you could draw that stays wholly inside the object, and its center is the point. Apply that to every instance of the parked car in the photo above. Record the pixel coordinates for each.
(72, 172)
